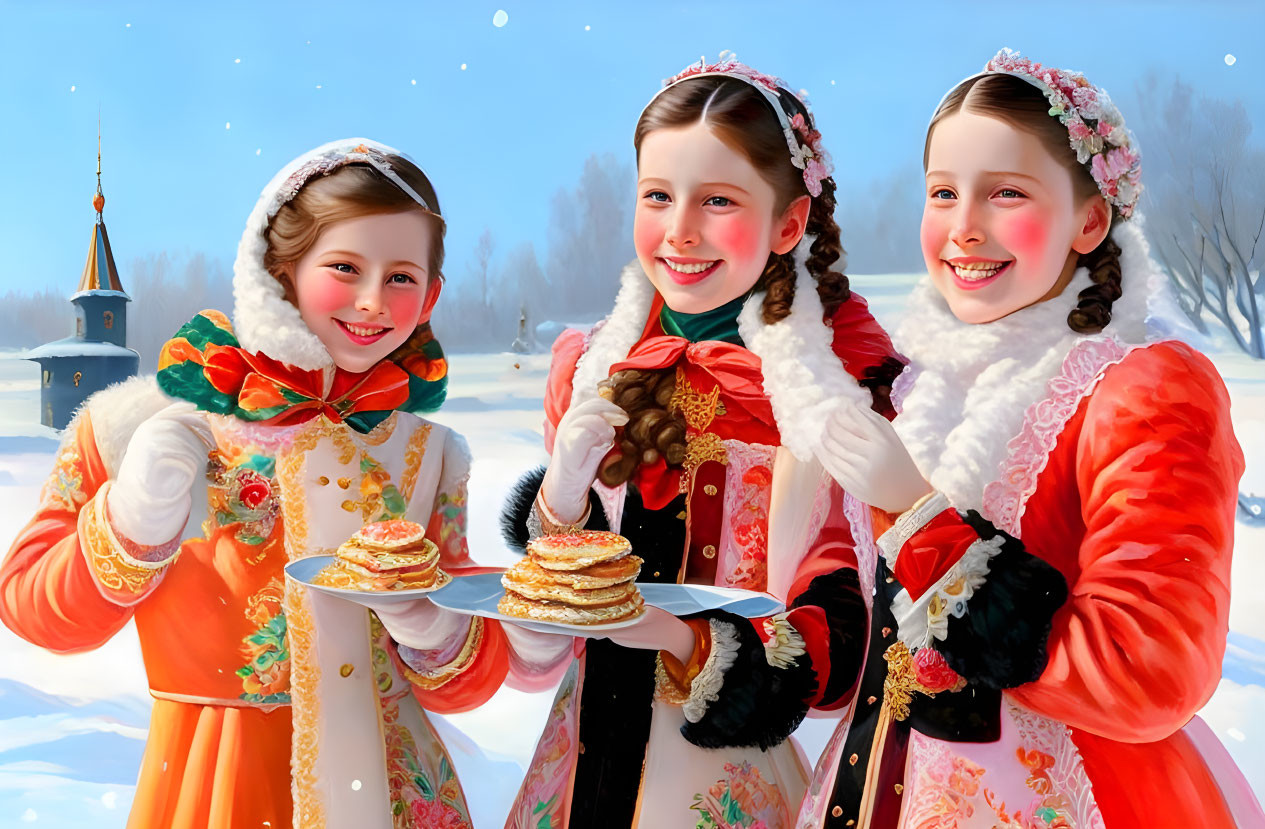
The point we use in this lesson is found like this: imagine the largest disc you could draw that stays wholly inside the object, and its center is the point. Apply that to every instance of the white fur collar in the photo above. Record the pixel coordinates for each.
(974, 383)
(263, 319)
(802, 375)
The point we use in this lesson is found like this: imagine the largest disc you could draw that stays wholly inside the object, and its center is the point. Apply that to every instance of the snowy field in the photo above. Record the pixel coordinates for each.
(72, 728)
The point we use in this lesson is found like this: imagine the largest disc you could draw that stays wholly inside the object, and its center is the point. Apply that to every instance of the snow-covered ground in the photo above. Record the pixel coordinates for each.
(72, 728)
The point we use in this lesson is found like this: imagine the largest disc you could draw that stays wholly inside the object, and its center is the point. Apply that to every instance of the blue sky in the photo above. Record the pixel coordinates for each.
(191, 134)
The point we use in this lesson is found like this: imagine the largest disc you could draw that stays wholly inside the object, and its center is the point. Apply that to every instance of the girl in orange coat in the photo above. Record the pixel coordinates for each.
(1052, 604)
(291, 431)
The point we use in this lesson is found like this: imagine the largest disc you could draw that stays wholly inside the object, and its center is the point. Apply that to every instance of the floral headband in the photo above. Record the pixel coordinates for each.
(803, 141)
(328, 162)
(1095, 127)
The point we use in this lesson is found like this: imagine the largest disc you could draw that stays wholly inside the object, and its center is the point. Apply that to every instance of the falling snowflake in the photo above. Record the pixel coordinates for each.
(1236, 734)
(110, 799)
(227, 125)
(129, 25)
(237, 60)
(355, 785)
(414, 82)
(587, 28)
(318, 86)
(1230, 59)
(500, 18)
(463, 67)
(258, 151)
(72, 87)
(832, 83)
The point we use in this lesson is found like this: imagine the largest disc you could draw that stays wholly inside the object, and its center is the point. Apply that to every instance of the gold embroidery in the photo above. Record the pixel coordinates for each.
(111, 564)
(699, 410)
(65, 484)
(434, 678)
(309, 810)
(413, 454)
(265, 603)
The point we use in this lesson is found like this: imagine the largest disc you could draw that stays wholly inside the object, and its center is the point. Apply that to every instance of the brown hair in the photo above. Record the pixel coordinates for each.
(743, 118)
(351, 192)
(1024, 107)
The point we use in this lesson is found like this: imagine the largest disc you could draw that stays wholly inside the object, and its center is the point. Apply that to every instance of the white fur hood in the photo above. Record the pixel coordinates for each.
(262, 317)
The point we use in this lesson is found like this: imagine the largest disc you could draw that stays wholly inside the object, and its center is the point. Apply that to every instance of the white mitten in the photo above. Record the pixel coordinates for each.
(861, 450)
(420, 624)
(655, 630)
(150, 498)
(585, 434)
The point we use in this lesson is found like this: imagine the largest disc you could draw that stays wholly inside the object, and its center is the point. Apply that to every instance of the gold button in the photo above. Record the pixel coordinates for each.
(656, 573)
(850, 822)
(837, 811)
(343, 483)
(899, 788)
(873, 699)
(346, 669)
(710, 489)
(852, 761)
(681, 515)
(890, 579)
(350, 506)
(323, 481)
(709, 551)
(887, 632)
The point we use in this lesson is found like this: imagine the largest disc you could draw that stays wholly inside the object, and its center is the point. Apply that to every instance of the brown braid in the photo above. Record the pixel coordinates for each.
(1093, 310)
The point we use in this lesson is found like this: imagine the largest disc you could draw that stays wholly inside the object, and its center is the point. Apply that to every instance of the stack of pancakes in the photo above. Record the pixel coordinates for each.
(580, 579)
(386, 555)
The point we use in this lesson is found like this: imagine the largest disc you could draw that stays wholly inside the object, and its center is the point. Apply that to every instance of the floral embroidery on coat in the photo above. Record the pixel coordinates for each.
(450, 537)
(266, 674)
(418, 798)
(540, 802)
(64, 486)
(241, 490)
(744, 800)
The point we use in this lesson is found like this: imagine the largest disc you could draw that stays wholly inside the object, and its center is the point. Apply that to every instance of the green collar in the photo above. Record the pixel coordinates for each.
(719, 324)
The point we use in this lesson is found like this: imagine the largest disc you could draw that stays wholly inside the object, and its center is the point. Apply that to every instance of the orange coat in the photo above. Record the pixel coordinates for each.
(213, 637)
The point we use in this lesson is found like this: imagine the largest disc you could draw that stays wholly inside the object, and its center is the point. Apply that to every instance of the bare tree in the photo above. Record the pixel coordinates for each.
(879, 221)
(1205, 207)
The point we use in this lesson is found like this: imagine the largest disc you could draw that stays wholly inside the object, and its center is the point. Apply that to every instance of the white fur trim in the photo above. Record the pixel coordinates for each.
(920, 621)
(910, 522)
(263, 319)
(803, 376)
(705, 689)
(117, 410)
(974, 383)
(785, 644)
(615, 336)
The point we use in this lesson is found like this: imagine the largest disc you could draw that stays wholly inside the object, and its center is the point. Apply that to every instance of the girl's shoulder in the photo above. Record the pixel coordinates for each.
(864, 347)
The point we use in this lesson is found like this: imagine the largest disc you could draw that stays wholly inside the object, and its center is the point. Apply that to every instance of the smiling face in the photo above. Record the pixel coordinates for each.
(363, 286)
(706, 220)
(1002, 226)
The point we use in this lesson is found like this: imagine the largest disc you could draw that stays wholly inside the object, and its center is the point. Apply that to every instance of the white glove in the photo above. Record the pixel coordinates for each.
(655, 630)
(419, 624)
(585, 434)
(151, 495)
(862, 451)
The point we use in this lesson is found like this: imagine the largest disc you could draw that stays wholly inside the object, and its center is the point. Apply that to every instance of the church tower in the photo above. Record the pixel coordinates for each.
(97, 355)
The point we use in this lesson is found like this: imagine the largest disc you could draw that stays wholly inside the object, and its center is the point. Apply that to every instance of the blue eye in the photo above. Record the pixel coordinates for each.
(402, 279)
(943, 193)
(343, 267)
(1010, 193)
(718, 201)
(658, 196)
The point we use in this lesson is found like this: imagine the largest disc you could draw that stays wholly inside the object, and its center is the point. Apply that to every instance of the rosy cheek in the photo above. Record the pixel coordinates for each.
(739, 236)
(324, 294)
(1025, 234)
(405, 307)
(933, 234)
(647, 233)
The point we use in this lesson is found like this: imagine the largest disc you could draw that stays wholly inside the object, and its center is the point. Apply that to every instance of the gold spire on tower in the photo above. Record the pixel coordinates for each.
(99, 273)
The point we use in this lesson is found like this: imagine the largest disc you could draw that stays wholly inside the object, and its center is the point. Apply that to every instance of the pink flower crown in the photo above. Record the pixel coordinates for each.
(802, 139)
(1095, 127)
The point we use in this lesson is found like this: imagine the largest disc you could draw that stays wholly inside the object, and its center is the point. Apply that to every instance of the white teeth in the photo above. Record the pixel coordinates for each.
(978, 271)
(682, 267)
(363, 332)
